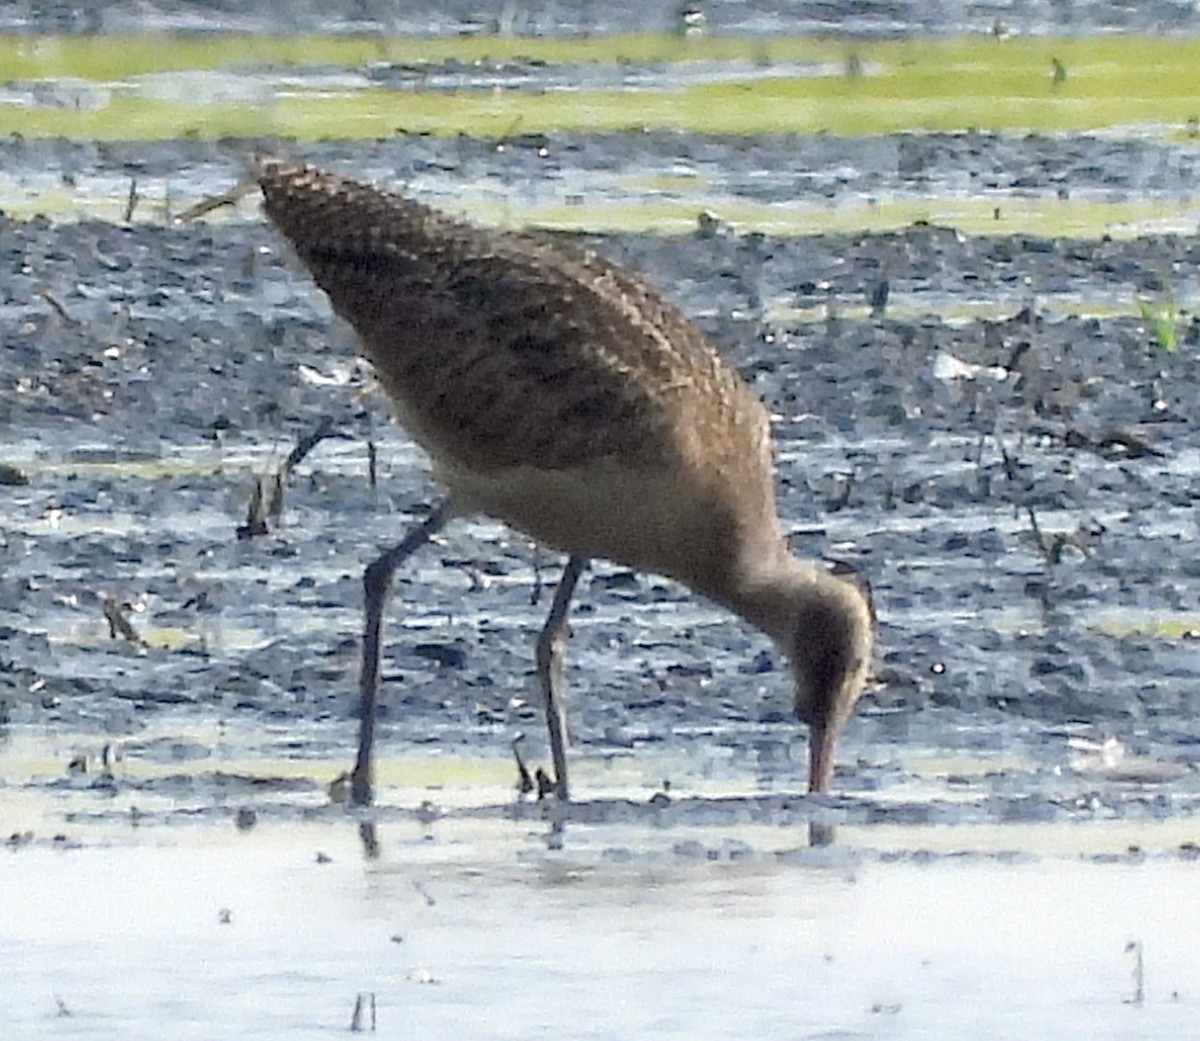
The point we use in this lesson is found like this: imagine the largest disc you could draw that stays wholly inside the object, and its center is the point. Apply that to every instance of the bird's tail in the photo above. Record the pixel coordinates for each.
(323, 213)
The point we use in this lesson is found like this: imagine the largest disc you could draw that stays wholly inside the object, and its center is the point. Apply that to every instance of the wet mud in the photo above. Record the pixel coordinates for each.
(986, 426)
(555, 17)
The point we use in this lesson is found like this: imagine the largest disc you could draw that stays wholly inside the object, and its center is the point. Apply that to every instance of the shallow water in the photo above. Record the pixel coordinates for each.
(478, 930)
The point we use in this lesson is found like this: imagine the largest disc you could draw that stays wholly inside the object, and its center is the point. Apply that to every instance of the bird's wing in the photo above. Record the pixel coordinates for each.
(503, 350)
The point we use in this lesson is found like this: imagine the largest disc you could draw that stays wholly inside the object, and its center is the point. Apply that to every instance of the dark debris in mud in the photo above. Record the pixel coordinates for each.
(777, 829)
(1020, 489)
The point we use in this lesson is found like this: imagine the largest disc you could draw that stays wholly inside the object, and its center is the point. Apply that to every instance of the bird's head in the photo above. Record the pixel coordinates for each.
(829, 646)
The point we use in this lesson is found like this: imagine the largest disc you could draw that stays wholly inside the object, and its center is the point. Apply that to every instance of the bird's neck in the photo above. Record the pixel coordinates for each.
(774, 588)
(766, 584)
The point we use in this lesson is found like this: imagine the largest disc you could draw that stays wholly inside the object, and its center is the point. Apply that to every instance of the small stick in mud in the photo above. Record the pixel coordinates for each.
(256, 513)
(476, 577)
(131, 200)
(339, 788)
(267, 497)
(1044, 545)
(215, 202)
(524, 780)
(363, 1004)
(1134, 947)
(878, 298)
(1011, 465)
(878, 294)
(545, 786)
(59, 309)
(1046, 588)
(1084, 538)
(305, 445)
(119, 624)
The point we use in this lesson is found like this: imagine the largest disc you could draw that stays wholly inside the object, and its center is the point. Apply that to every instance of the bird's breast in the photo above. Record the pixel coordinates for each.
(643, 520)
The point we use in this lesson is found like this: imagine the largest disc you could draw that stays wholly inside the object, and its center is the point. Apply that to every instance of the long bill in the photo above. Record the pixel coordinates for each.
(821, 741)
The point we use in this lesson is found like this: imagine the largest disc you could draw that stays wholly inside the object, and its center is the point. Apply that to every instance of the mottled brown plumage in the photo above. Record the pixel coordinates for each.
(559, 393)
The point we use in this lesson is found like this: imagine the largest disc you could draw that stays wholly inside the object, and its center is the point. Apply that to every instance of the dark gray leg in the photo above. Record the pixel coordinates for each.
(551, 646)
(377, 584)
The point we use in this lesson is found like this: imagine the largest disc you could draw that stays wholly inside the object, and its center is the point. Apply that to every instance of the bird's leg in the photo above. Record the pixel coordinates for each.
(551, 646)
(377, 585)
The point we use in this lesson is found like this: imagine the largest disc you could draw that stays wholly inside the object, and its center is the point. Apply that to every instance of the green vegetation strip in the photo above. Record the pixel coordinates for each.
(1044, 218)
(868, 88)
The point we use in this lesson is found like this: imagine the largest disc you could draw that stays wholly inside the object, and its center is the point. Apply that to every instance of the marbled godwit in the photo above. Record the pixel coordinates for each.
(558, 393)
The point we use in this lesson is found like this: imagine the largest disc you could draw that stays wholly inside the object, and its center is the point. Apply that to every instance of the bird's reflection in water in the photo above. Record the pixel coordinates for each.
(556, 813)
(820, 834)
(369, 839)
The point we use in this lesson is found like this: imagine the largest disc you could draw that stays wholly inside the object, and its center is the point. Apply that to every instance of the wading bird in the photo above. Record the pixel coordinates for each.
(557, 392)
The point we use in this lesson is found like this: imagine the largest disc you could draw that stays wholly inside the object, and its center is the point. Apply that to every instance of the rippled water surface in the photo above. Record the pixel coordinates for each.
(479, 931)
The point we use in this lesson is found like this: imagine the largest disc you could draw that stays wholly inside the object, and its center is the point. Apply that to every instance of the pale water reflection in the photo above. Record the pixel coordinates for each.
(478, 932)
